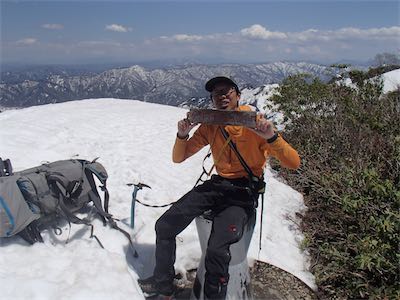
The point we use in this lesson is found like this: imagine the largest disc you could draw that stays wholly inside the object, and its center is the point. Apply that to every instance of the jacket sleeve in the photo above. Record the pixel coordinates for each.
(281, 150)
(184, 148)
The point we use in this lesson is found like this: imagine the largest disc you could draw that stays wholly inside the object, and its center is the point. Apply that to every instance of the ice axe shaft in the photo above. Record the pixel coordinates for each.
(136, 188)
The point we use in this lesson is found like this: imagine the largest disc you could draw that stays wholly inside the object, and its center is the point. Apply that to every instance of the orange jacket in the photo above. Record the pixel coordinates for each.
(253, 148)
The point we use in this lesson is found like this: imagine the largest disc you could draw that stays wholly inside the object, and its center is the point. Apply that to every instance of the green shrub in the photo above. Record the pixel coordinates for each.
(349, 141)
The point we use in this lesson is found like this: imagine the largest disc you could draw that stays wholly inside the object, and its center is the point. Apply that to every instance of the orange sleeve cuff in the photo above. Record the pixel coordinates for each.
(288, 157)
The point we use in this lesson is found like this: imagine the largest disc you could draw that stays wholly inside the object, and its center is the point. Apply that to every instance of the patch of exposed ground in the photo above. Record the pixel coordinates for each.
(267, 283)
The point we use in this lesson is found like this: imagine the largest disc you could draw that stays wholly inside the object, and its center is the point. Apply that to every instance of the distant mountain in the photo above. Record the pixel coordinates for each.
(14, 73)
(176, 86)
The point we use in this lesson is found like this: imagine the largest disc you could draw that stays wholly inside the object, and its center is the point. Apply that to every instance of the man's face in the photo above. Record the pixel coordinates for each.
(224, 96)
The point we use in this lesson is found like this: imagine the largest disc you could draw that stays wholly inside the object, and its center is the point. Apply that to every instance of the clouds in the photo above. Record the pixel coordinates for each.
(257, 31)
(258, 43)
(348, 33)
(26, 42)
(53, 26)
(183, 38)
(253, 43)
(117, 28)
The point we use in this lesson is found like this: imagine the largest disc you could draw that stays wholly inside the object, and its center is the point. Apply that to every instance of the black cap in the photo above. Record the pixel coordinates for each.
(210, 85)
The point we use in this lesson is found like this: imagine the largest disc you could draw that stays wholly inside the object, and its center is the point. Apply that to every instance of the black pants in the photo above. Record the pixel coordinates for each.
(232, 202)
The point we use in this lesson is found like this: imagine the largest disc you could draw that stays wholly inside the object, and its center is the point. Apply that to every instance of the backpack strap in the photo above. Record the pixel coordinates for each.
(98, 170)
(70, 188)
(95, 168)
(253, 180)
(240, 157)
(62, 206)
(114, 225)
(257, 183)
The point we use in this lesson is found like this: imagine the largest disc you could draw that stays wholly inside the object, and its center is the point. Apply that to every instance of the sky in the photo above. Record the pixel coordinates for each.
(71, 266)
(75, 32)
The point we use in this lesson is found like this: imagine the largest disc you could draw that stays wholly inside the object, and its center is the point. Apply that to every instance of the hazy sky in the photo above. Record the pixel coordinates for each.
(206, 31)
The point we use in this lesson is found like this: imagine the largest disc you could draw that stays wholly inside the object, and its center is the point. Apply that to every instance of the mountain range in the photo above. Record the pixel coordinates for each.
(176, 86)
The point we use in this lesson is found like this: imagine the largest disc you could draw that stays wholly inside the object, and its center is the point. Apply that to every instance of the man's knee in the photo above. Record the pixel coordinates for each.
(163, 228)
(226, 235)
(219, 257)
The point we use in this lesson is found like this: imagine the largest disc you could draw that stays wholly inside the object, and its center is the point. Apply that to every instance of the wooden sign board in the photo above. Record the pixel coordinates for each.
(223, 117)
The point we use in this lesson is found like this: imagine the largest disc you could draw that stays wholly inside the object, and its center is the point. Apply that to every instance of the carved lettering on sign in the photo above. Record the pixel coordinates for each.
(223, 117)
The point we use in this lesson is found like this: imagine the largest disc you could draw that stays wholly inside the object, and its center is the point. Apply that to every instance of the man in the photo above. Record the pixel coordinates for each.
(230, 195)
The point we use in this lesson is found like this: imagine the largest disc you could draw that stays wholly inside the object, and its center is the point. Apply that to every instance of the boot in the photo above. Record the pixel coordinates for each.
(151, 287)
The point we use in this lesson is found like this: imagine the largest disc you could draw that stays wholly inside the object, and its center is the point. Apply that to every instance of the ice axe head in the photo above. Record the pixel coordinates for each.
(142, 185)
(139, 186)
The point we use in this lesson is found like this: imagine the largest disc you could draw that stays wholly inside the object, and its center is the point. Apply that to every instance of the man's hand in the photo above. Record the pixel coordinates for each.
(264, 128)
(184, 127)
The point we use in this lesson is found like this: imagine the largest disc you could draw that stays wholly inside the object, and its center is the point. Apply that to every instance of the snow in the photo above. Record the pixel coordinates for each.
(260, 98)
(391, 81)
(134, 142)
(348, 82)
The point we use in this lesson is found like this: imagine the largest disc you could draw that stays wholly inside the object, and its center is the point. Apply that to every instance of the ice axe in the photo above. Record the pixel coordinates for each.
(136, 188)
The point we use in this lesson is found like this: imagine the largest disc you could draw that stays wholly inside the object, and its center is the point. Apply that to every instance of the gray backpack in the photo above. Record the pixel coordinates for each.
(36, 198)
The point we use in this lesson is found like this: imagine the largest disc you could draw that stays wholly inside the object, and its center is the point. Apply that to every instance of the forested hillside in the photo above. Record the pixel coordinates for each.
(349, 140)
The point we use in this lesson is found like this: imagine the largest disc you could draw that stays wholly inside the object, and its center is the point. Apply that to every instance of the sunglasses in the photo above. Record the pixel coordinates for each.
(222, 92)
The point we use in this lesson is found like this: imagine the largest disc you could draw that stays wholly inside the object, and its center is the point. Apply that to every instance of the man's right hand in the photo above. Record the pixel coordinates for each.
(184, 127)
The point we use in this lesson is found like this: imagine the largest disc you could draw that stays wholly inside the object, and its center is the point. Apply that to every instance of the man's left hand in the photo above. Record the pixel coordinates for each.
(264, 128)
